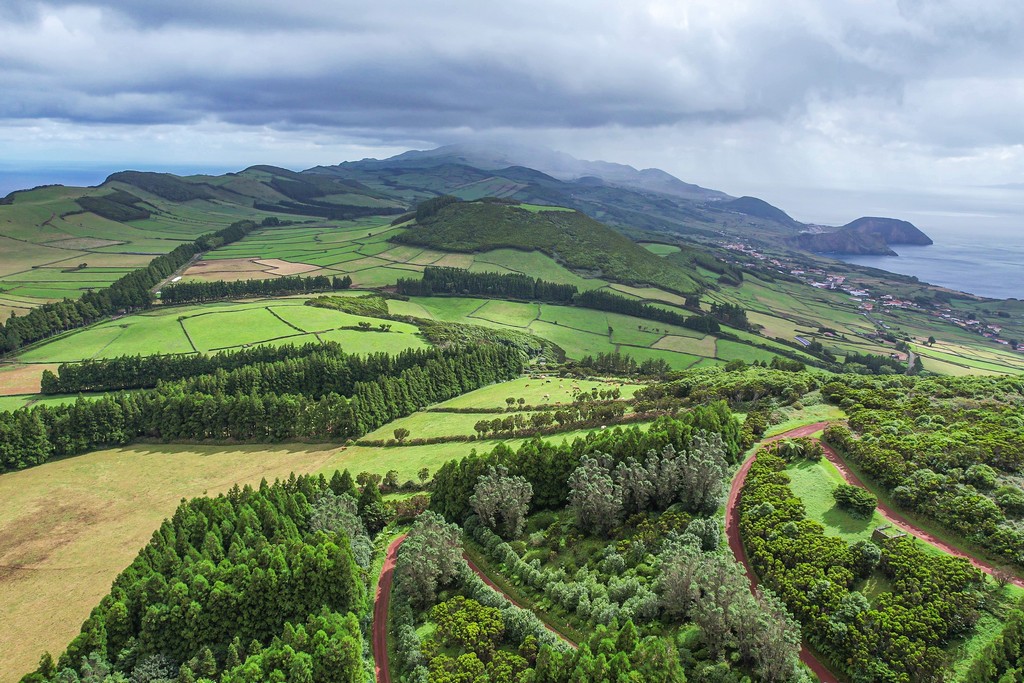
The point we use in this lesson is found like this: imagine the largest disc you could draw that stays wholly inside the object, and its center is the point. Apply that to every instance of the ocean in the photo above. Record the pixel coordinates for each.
(978, 232)
(990, 265)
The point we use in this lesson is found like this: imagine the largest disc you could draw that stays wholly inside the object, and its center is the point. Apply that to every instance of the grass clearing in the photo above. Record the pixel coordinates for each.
(234, 328)
(508, 313)
(533, 390)
(813, 483)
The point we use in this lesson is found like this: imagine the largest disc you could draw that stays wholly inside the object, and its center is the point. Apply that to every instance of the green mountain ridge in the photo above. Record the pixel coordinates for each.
(579, 242)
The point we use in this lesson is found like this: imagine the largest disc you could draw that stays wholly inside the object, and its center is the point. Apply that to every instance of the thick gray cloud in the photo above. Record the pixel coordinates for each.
(799, 91)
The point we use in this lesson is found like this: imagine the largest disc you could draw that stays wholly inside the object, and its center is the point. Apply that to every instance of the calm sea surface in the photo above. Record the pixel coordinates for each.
(987, 265)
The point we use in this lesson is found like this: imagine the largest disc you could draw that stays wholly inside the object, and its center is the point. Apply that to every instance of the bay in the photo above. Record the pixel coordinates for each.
(990, 266)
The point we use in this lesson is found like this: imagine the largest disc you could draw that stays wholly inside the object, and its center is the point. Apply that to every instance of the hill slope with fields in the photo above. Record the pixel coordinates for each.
(570, 237)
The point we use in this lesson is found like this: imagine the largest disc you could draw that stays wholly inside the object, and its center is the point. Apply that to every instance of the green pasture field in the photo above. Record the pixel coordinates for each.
(354, 341)
(508, 313)
(813, 483)
(730, 350)
(969, 358)
(650, 293)
(660, 249)
(533, 390)
(583, 319)
(705, 346)
(534, 264)
(633, 336)
(676, 360)
(218, 326)
(575, 343)
(227, 329)
(312, 319)
(444, 308)
(14, 402)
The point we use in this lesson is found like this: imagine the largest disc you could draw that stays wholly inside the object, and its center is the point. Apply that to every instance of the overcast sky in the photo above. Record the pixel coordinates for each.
(744, 96)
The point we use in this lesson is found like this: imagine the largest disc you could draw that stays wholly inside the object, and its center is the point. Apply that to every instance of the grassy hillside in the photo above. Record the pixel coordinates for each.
(570, 237)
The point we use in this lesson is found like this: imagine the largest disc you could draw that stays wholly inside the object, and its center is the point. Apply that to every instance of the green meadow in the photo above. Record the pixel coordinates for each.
(211, 327)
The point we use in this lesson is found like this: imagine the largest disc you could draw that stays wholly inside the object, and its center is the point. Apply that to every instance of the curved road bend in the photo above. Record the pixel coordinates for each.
(486, 579)
(732, 531)
(381, 603)
(903, 524)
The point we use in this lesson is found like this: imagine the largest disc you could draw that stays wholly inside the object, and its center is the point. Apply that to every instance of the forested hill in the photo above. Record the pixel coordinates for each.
(576, 240)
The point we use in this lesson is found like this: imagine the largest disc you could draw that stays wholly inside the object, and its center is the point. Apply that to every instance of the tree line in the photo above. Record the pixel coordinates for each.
(256, 410)
(138, 372)
(198, 292)
(615, 303)
(458, 281)
(128, 293)
(253, 585)
(548, 467)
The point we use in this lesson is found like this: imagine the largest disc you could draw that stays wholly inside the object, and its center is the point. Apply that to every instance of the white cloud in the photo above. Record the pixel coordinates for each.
(727, 93)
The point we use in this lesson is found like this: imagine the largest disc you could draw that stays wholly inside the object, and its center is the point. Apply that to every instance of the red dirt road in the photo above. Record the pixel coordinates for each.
(486, 579)
(381, 603)
(902, 523)
(732, 531)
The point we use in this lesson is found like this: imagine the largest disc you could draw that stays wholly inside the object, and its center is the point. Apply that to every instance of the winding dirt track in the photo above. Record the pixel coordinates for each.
(383, 598)
(487, 580)
(732, 531)
(893, 517)
(381, 603)
(903, 524)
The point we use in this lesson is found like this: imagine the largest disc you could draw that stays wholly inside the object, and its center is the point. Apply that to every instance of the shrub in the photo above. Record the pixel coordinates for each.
(855, 500)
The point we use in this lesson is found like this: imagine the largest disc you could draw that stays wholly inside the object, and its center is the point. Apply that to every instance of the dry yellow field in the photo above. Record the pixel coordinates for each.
(16, 378)
(68, 527)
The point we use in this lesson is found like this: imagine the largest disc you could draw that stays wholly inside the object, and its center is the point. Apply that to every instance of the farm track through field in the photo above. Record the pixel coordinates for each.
(381, 603)
(732, 532)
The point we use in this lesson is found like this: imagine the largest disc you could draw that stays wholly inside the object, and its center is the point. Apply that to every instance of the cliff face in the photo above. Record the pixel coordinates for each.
(868, 235)
(889, 229)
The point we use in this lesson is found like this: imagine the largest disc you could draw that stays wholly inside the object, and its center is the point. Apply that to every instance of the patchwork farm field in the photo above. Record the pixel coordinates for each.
(211, 327)
(361, 250)
(52, 249)
(581, 332)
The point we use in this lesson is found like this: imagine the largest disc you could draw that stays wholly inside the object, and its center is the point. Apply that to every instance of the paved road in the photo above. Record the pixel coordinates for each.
(381, 603)
(732, 532)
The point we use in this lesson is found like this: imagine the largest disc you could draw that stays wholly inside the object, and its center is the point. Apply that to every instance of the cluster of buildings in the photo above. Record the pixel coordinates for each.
(821, 279)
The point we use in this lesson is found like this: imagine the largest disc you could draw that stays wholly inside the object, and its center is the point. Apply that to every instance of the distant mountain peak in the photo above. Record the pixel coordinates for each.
(560, 165)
